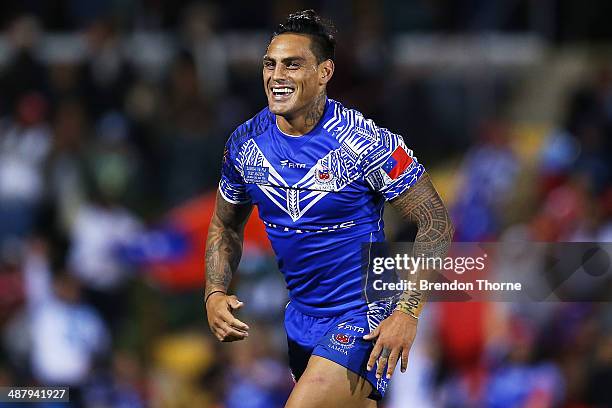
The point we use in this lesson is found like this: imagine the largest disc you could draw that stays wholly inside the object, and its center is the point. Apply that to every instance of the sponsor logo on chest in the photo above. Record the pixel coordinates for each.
(292, 165)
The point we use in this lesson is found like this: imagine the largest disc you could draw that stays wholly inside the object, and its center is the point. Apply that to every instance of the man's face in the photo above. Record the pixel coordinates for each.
(291, 75)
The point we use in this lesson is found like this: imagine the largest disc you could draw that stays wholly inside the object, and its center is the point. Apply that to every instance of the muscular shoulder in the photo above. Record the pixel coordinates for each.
(252, 128)
(362, 138)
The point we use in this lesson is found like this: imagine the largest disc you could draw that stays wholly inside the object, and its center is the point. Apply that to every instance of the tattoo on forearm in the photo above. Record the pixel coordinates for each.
(224, 244)
(422, 204)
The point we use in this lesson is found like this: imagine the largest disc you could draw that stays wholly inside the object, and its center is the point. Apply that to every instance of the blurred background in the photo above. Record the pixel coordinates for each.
(113, 117)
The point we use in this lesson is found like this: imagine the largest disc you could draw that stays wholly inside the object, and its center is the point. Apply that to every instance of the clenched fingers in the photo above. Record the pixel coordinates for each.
(229, 318)
(225, 332)
(231, 332)
(228, 328)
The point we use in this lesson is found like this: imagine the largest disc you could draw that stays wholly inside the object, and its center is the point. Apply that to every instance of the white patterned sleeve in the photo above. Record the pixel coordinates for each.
(232, 186)
(390, 167)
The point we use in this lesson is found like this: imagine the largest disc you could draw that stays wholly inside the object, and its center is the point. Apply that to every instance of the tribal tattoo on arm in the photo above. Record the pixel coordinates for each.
(224, 243)
(422, 205)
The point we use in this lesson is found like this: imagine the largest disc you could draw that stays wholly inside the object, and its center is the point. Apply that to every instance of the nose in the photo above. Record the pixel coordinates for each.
(279, 73)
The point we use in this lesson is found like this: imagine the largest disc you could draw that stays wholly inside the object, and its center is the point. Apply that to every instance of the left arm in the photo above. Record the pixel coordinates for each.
(394, 336)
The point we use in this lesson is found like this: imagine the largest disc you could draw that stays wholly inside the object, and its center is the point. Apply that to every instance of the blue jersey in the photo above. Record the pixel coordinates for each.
(321, 196)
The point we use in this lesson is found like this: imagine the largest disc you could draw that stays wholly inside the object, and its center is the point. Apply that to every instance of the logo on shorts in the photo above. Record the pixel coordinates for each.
(347, 326)
(343, 340)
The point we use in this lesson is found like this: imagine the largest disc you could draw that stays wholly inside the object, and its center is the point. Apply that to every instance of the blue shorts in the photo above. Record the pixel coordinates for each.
(337, 338)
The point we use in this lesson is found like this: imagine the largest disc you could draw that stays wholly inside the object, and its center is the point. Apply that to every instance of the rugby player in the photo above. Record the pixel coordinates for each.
(320, 174)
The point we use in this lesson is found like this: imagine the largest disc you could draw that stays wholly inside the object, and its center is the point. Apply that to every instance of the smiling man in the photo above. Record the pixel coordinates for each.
(320, 175)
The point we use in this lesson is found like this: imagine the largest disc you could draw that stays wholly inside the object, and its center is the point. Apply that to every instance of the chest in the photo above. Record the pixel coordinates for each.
(310, 179)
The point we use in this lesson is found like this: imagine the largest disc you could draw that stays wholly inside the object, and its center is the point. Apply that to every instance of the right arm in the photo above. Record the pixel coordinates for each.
(223, 252)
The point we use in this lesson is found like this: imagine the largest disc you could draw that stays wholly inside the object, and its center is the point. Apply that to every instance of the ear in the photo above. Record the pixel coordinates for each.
(326, 71)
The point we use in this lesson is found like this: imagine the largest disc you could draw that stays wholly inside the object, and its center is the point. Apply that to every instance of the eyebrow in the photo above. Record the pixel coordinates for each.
(285, 60)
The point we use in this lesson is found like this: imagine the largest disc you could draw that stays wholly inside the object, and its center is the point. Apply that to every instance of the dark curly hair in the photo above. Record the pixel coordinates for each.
(321, 32)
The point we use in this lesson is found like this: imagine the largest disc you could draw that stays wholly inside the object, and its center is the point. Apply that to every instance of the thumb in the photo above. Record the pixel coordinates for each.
(373, 334)
(234, 303)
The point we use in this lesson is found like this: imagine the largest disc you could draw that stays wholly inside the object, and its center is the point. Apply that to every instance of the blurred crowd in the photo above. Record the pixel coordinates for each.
(106, 179)
(511, 188)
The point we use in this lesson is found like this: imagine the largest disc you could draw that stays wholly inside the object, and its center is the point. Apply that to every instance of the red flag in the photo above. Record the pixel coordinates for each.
(397, 163)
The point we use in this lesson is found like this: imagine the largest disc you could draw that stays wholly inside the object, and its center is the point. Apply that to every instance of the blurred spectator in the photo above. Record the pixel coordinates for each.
(67, 337)
(119, 387)
(257, 378)
(520, 381)
(66, 166)
(114, 162)
(189, 137)
(488, 177)
(210, 55)
(12, 293)
(24, 145)
(24, 73)
(106, 73)
(598, 392)
(99, 228)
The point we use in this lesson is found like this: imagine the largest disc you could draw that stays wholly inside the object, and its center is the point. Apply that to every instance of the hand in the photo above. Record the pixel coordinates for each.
(222, 322)
(393, 337)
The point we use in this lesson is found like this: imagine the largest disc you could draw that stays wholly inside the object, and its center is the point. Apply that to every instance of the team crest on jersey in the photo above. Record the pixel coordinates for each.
(323, 175)
(343, 340)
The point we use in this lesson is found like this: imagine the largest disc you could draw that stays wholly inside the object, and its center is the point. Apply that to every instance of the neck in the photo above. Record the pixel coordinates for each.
(303, 123)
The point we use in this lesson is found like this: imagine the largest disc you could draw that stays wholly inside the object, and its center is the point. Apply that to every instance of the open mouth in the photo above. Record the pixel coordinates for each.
(282, 93)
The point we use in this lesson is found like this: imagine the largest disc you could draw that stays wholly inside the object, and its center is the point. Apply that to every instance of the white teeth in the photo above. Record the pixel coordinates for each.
(281, 91)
